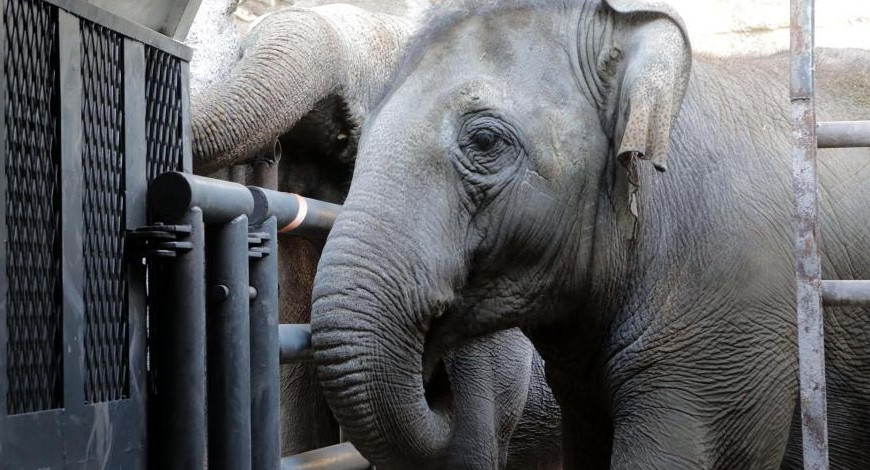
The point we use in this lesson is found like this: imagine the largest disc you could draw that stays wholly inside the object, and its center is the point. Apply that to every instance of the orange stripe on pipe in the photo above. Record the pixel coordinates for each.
(300, 215)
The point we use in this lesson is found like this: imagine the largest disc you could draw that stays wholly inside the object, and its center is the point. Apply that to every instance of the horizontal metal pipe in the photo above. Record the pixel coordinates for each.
(846, 293)
(295, 214)
(295, 340)
(173, 194)
(338, 457)
(843, 134)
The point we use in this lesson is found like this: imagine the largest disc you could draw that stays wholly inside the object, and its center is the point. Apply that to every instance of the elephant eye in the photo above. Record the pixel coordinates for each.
(488, 143)
(483, 140)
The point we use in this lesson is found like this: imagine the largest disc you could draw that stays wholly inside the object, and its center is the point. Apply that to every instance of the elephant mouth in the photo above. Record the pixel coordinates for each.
(437, 388)
(441, 340)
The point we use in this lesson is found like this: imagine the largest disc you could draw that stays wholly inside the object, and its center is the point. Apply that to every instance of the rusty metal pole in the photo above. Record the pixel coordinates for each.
(810, 320)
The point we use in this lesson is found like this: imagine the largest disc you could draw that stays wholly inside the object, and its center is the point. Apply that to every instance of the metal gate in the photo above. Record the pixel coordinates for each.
(105, 359)
(812, 291)
(93, 105)
(217, 344)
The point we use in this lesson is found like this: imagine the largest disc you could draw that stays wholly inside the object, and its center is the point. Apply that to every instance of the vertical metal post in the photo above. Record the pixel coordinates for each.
(73, 232)
(229, 348)
(136, 190)
(810, 319)
(265, 368)
(178, 349)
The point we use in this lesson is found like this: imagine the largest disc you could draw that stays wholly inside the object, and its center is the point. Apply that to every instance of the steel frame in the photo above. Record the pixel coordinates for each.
(113, 433)
(812, 291)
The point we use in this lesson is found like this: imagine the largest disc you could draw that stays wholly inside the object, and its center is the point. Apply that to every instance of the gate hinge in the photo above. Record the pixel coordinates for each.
(257, 245)
(159, 241)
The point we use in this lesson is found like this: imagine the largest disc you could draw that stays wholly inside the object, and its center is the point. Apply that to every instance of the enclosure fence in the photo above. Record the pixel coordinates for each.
(812, 292)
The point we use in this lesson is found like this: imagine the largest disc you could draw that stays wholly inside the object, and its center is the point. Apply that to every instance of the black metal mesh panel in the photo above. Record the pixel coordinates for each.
(106, 323)
(33, 264)
(163, 112)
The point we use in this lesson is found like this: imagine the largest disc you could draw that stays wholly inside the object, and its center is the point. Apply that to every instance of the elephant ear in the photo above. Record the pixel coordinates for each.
(645, 67)
(656, 58)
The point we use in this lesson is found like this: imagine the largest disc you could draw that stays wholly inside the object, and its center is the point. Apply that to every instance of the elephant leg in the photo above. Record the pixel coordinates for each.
(489, 378)
(665, 431)
(536, 443)
(678, 426)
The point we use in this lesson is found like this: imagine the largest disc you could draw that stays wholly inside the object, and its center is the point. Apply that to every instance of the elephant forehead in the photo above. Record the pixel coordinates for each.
(528, 41)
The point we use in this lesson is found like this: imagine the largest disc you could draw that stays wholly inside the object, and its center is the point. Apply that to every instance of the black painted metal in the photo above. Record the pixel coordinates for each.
(229, 348)
(106, 332)
(295, 214)
(174, 193)
(4, 280)
(130, 415)
(163, 115)
(32, 164)
(178, 349)
(73, 177)
(72, 226)
(265, 369)
(123, 26)
(295, 343)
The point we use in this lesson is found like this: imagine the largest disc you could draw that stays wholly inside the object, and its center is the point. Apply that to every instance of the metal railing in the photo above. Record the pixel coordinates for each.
(236, 360)
(812, 291)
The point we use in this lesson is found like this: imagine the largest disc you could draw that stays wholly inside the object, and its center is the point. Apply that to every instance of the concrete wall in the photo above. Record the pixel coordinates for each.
(724, 27)
(762, 26)
(715, 26)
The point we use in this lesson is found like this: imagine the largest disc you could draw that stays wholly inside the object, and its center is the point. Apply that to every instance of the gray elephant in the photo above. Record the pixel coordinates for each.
(280, 89)
(514, 175)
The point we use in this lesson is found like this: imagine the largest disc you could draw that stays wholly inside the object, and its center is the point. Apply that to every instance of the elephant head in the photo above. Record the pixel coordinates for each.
(292, 61)
(309, 77)
(492, 189)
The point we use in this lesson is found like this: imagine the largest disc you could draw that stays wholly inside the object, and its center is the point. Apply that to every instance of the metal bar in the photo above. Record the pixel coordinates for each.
(810, 322)
(265, 166)
(178, 354)
(124, 26)
(296, 214)
(338, 457)
(846, 293)
(186, 127)
(174, 193)
(843, 134)
(229, 347)
(295, 342)
(136, 195)
(4, 234)
(265, 369)
(72, 216)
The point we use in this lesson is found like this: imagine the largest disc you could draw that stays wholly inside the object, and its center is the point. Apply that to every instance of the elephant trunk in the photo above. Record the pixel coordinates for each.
(291, 61)
(288, 67)
(372, 309)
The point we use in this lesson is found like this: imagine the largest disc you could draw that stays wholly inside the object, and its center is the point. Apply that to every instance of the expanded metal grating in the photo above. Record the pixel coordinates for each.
(105, 287)
(163, 112)
(33, 265)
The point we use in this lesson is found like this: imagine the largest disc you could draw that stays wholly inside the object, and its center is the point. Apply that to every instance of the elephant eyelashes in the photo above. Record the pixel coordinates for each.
(488, 143)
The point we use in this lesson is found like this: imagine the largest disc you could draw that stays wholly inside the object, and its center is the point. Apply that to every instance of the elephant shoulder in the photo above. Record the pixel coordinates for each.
(843, 79)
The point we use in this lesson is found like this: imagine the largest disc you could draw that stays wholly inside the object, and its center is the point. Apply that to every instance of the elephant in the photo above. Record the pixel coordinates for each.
(268, 95)
(568, 167)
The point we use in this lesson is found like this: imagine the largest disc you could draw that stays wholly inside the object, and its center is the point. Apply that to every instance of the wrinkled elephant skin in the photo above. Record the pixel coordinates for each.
(515, 177)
